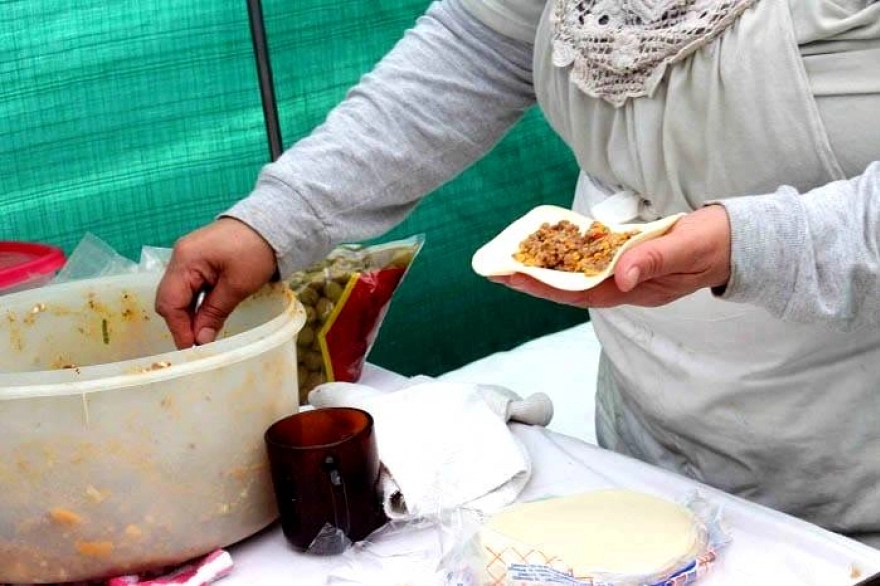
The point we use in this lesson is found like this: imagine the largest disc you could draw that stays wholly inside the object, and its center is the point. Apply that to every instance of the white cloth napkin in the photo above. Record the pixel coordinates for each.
(444, 445)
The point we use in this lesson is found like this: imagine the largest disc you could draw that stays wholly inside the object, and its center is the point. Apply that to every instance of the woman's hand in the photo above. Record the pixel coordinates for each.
(694, 254)
(228, 261)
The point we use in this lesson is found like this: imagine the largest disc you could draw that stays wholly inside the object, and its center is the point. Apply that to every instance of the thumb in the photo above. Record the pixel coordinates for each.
(651, 259)
(210, 316)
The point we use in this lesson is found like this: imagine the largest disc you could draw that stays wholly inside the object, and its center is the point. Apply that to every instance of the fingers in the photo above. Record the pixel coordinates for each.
(651, 259)
(217, 305)
(698, 244)
(184, 280)
(174, 302)
(526, 284)
(607, 294)
(228, 261)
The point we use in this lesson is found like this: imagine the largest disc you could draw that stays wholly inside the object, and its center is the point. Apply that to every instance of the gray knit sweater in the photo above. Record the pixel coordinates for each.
(449, 91)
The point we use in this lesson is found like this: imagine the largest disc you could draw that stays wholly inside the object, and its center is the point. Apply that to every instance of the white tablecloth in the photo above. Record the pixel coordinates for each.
(767, 547)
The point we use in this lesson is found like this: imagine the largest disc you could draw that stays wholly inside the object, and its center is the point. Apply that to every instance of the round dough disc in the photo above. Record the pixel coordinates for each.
(612, 531)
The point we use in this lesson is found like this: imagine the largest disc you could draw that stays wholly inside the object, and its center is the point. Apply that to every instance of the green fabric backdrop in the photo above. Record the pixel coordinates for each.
(139, 122)
(136, 121)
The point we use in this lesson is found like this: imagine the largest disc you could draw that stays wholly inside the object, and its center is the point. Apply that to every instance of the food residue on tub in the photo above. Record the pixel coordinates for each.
(16, 339)
(95, 495)
(35, 310)
(155, 366)
(94, 548)
(243, 473)
(105, 332)
(65, 517)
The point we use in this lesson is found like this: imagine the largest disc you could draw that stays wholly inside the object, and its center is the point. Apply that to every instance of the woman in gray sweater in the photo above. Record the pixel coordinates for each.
(740, 349)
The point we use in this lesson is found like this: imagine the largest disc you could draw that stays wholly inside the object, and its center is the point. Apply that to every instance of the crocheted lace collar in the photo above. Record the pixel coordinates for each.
(619, 49)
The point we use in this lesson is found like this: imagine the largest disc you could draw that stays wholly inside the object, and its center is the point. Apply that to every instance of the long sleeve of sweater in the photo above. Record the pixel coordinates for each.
(810, 257)
(437, 102)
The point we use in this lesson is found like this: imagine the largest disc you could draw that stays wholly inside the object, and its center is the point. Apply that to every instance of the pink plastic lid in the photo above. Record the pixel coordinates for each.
(22, 261)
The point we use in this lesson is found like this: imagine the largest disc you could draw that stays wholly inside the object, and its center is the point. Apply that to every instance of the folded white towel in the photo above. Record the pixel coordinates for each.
(444, 445)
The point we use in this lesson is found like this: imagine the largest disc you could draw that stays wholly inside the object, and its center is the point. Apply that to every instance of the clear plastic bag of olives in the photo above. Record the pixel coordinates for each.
(346, 297)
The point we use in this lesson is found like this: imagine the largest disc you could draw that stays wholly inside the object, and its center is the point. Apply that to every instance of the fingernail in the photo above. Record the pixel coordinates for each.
(631, 278)
(206, 336)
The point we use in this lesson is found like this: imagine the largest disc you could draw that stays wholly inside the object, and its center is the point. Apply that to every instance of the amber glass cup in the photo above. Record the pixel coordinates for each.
(325, 471)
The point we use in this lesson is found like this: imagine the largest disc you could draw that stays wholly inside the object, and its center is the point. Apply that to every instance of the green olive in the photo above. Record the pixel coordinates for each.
(338, 275)
(333, 291)
(307, 383)
(324, 308)
(311, 314)
(306, 336)
(308, 296)
(314, 379)
(313, 360)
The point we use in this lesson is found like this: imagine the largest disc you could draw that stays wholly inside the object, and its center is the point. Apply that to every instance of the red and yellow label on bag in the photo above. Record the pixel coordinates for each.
(346, 297)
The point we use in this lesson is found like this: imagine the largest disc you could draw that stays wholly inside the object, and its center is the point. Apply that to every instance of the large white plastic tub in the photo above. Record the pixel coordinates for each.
(119, 453)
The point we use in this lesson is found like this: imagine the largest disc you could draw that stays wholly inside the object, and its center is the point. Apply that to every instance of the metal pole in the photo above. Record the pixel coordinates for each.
(264, 75)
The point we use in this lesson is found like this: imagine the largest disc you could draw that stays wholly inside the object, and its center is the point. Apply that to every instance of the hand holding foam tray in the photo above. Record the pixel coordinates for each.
(495, 258)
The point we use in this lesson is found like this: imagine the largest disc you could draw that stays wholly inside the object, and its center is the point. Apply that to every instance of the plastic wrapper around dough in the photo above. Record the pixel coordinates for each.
(492, 558)
(346, 297)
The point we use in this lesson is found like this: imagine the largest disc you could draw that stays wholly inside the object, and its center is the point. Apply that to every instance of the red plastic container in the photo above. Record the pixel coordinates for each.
(24, 265)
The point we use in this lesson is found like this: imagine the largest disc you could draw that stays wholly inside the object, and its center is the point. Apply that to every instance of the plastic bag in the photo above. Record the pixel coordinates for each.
(94, 258)
(346, 297)
(421, 552)
(523, 565)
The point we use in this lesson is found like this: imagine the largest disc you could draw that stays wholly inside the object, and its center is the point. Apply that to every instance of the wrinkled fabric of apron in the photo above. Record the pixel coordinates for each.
(784, 414)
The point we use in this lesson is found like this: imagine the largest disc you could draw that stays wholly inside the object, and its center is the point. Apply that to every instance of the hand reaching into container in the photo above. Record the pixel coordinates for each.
(228, 261)
(693, 255)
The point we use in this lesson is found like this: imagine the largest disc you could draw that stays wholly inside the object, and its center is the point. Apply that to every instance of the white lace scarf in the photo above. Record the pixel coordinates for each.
(619, 49)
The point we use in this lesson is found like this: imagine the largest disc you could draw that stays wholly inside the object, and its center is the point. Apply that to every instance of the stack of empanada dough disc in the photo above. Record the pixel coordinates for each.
(612, 532)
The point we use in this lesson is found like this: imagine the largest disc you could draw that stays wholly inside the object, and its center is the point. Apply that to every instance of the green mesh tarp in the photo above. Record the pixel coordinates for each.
(135, 121)
(139, 122)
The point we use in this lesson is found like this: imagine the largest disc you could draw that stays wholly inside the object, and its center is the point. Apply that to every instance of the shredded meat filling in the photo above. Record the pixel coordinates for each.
(563, 247)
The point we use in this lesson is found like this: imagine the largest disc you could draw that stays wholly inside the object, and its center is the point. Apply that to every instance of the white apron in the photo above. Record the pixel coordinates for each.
(784, 414)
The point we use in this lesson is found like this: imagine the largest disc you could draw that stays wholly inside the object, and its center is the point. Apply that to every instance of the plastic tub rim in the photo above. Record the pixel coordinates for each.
(230, 350)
